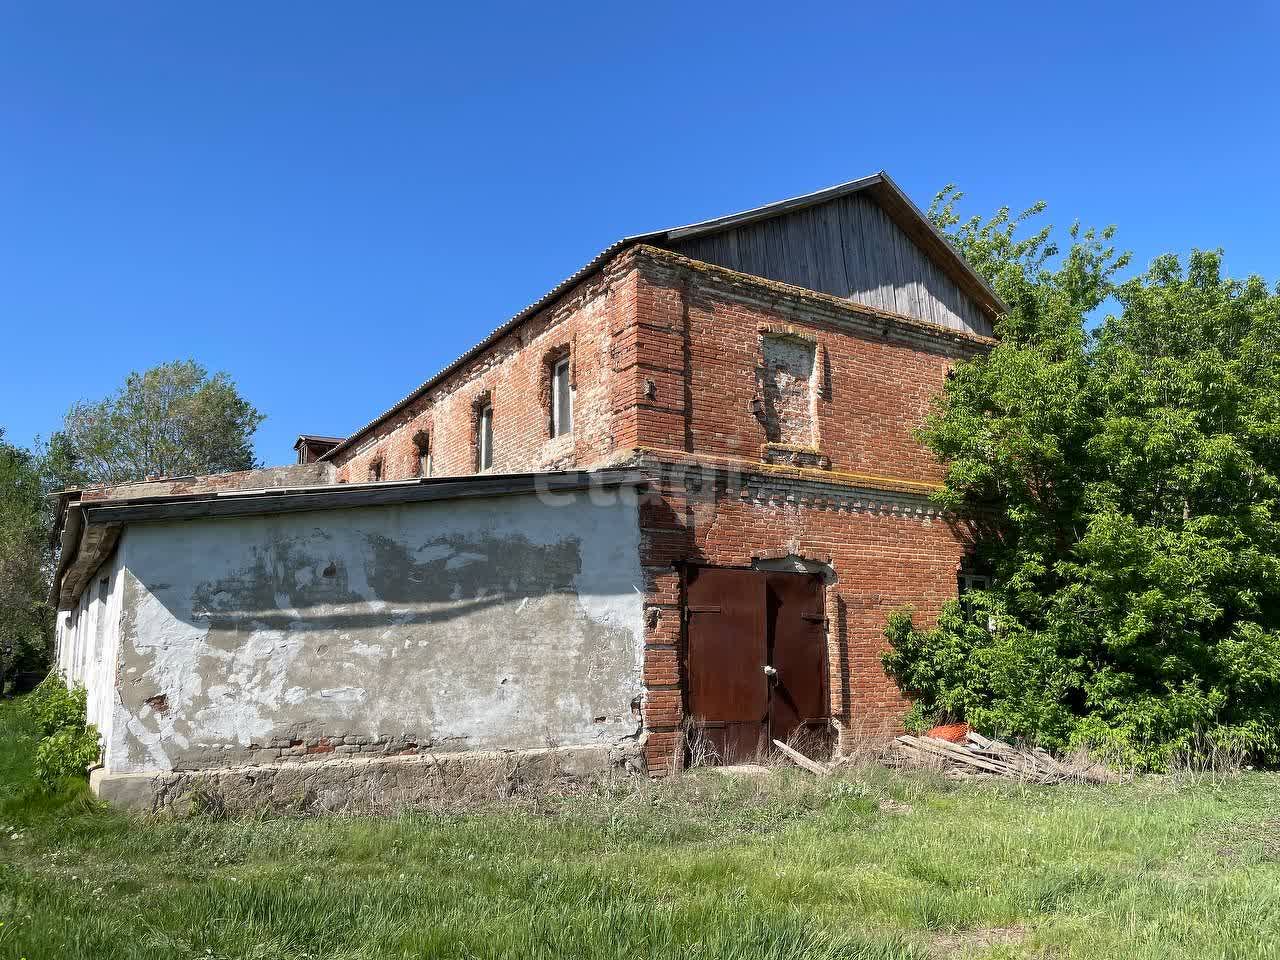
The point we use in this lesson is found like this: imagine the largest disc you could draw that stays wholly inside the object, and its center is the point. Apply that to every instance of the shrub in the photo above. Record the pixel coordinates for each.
(70, 744)
(67, 753)
(54, 706)
(1121, 486)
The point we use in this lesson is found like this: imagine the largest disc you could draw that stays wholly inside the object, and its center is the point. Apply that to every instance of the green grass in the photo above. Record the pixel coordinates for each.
(702, 868)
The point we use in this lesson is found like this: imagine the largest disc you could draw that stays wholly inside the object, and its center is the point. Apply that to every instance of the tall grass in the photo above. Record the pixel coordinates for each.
(706, 867)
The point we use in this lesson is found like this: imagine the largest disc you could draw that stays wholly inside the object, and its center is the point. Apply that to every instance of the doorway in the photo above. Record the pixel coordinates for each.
(755, 660)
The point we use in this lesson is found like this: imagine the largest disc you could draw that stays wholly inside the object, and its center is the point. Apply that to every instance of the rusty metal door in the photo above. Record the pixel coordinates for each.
(728, 692)
(797, 650)
(756, 658)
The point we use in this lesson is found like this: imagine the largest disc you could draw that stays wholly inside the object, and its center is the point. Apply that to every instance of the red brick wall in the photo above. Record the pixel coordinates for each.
(886, 552)
(700, 332)
(589, 322)
(856, 501)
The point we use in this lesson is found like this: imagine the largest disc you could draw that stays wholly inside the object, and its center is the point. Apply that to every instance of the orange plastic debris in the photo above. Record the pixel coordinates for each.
(951, 732)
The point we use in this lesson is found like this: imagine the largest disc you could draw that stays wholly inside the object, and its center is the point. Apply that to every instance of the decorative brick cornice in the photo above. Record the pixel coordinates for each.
(788, 485)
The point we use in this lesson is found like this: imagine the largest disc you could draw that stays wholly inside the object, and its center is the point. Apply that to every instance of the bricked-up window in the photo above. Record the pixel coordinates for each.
(484, 438)
(561, 399)
(786, 386)
(422, 443)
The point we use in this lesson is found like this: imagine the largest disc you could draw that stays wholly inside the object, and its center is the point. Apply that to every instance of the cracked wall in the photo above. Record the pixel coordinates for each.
(496, 624)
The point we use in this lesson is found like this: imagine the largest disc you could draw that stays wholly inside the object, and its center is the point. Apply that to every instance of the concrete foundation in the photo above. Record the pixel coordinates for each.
(362, 785)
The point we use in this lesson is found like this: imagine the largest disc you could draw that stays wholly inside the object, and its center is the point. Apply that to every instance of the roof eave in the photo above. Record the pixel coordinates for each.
(90, 529)
(239, 503)
(771, 209)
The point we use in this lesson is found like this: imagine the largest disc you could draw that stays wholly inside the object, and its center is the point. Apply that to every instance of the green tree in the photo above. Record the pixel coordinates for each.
(25, 617)
(172, 420)
(1125, 488)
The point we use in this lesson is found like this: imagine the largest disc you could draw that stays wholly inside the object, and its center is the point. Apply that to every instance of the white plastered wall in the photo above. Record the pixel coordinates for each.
(491, 624)
(88, 640)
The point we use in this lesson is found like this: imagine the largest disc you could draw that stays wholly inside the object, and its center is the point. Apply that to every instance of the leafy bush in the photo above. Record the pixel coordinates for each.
(1123, 486)
(67, 753)
(70, 744)
(54, 706)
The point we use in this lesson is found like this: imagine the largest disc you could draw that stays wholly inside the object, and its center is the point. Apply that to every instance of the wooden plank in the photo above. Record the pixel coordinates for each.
(947, 750)
(879, 256)
(851, 251)
(799, 234)
(829, 244)
(801, 760)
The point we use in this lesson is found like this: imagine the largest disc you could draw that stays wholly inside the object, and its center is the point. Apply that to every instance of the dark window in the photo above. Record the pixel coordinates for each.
(561, 399)
(422, 441)
(969, 582)
(375, 471)
(484, 438)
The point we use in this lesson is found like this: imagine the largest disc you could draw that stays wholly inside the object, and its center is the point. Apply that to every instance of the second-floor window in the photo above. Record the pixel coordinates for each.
(423, 443)
(561, 399)
(484, 438)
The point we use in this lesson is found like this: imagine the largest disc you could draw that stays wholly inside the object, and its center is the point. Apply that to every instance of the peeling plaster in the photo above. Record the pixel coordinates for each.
(487, 624)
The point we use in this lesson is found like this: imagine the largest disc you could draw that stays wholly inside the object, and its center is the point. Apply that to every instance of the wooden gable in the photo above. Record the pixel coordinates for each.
(852, 247)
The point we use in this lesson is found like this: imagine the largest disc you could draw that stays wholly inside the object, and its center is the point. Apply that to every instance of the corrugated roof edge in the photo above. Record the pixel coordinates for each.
(672, 233)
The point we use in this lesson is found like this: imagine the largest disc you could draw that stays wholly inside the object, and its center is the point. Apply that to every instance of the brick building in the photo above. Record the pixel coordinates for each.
(747, 387)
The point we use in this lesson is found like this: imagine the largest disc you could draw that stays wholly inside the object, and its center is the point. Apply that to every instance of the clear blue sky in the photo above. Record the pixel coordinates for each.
(331, 201)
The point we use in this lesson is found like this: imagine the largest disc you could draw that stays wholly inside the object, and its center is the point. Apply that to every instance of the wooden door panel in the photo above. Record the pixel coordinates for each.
(798, 652)
(726, 646)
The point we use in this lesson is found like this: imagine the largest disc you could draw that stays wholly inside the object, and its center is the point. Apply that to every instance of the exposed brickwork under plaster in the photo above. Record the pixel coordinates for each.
(785, 395)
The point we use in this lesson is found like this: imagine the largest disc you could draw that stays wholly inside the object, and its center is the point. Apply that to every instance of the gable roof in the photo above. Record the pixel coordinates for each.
(896, 204)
